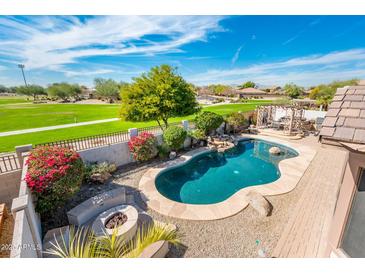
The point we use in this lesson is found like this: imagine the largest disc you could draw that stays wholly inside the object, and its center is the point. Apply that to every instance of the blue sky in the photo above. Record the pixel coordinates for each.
(270, 50)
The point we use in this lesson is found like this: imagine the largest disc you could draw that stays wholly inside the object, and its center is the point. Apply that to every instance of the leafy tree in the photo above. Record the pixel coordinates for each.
(293, 91)
(3, 89)
(218, 89)
(324, 93)
(248, 84)
(64, 90)
(107, 88)
(158, 95)
(31, 90)
(238, 120)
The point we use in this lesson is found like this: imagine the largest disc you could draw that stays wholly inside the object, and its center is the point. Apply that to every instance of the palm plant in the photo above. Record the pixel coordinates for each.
(82, 242)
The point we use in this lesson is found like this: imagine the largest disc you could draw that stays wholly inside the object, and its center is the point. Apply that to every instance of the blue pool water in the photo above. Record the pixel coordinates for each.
(213, 177)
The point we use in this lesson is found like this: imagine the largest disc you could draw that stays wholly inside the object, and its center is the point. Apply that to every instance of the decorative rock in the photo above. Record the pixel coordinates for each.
(172, 155)
(260, 203)
(274, 150)
(100, 177)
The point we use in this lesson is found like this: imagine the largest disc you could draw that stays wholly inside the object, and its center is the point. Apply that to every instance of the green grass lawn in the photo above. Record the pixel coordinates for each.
(9, 142)
(5, 100)
(23, 116)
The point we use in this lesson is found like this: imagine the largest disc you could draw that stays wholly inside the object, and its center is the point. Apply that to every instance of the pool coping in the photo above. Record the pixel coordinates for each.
(291, 169)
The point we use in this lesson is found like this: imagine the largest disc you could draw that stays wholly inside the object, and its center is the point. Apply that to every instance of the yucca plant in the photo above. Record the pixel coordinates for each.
(148, 235)
(82, 242)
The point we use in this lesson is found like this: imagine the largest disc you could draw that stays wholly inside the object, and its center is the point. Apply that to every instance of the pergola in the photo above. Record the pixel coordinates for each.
(289, 118)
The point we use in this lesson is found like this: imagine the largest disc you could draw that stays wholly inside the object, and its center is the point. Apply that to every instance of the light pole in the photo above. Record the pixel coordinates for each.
(21, 66)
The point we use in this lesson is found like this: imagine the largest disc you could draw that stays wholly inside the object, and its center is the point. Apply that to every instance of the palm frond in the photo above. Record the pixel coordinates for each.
(150, 234)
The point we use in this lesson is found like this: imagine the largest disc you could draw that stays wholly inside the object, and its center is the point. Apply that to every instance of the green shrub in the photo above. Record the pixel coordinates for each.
(197, 134)
(208, 121)
(163, 151)
(174, 137)
(54, 175)
(143, 147)
(238, 120)
(99, 173)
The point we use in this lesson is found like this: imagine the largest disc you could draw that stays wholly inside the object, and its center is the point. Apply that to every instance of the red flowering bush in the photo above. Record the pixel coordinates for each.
(54, 175)
(143, 147)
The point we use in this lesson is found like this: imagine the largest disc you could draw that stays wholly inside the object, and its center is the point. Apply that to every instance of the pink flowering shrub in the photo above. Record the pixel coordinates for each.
(54, 175)
(143, 147)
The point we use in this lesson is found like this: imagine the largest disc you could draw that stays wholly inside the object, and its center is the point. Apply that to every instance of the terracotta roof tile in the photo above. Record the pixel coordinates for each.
(327, 131)
(345, 118)
(362, 114)
(359, 135)
(341, 91)
(338, 97)
(349, 112)
(355, 122)
(336, 104)
(333, 112)
(353, 98)
(345, 104)
(360, 92)
(340, 121)
(329, 122)
(360, 105)
(344, 133)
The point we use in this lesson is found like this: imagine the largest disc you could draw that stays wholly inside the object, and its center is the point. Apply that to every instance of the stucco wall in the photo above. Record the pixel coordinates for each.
(349, 185)
(27, 235)
(9, 186)
(116, 153)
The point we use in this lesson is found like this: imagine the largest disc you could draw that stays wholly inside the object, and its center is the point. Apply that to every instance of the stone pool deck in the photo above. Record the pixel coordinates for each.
(306, 233)
(233, 237)
(291, 169)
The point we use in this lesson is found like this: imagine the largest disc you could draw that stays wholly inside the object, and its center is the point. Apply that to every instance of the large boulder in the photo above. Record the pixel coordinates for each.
(274, 150)
(260, 203)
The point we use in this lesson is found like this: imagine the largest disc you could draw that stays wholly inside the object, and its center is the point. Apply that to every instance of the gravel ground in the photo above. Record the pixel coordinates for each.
(235, 236)
(6, 235)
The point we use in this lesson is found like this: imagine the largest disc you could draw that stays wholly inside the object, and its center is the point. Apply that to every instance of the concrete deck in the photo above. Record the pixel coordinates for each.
(305, 234)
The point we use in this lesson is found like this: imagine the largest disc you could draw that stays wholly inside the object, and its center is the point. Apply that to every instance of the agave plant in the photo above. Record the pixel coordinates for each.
(82, 242)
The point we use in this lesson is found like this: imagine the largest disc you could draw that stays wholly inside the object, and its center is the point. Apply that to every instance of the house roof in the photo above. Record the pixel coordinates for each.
(249, 91)
(345, 118)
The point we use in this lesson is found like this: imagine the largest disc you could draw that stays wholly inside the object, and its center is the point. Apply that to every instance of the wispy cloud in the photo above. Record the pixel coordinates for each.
(299, 33)
(334, 65)
(51, 42)
(236, 55)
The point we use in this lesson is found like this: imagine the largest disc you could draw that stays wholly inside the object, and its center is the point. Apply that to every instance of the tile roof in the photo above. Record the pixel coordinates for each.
(345, 118)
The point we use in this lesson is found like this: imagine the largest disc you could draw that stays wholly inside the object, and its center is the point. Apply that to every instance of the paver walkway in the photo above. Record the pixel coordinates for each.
(305, 234)
(30, 130)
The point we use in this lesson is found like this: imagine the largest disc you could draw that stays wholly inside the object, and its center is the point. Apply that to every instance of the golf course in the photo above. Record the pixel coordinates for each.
(20, 114)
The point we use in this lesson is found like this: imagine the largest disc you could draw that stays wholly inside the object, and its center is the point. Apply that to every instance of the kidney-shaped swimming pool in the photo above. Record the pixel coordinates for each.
(212, 177)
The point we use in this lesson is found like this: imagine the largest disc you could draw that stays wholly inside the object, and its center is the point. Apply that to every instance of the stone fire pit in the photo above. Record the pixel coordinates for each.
(123, 218)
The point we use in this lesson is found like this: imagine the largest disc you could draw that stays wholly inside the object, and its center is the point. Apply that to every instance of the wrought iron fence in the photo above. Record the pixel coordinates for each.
(9, 163)
(88, 142)
(99, 140)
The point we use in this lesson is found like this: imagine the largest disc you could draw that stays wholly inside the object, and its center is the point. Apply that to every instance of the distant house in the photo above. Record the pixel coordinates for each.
(240, 93)
(87, 93)
(344, 128)
(251, 92)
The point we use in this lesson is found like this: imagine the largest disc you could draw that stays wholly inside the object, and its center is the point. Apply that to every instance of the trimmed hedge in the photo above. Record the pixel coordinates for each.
(208, 121)
(174, 137)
